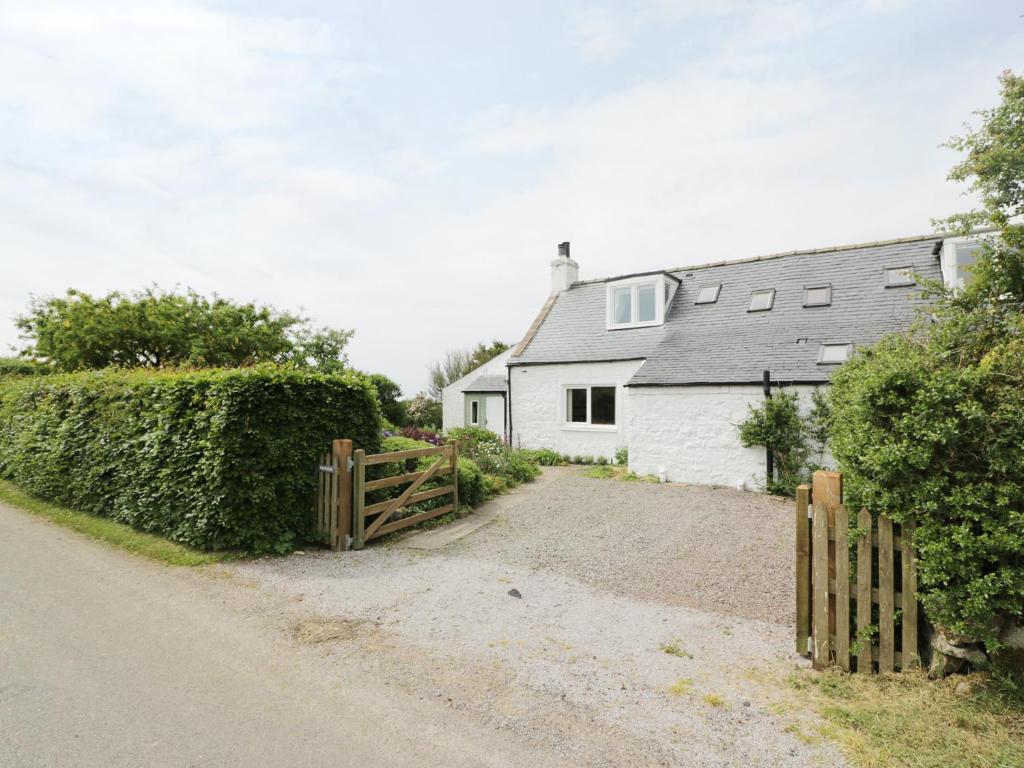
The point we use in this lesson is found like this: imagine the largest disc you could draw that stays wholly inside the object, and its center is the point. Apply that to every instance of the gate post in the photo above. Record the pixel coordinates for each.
(342, 533)
(803, 570)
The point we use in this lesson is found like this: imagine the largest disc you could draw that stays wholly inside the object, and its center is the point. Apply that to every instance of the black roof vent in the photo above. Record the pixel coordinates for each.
(563, 249)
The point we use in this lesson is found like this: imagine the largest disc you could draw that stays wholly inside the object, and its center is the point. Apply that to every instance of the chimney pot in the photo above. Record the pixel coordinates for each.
(564, 271)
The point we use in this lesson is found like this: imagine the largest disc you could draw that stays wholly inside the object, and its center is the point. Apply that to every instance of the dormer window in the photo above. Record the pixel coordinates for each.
(958, 257)
(639, 301)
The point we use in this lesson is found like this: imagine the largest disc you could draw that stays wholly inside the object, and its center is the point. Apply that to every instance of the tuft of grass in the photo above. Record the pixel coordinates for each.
(610, 472)
(714, 700)
(601, 472)
(681, 686)
(908, 720)
(674, 649)
(110, 532)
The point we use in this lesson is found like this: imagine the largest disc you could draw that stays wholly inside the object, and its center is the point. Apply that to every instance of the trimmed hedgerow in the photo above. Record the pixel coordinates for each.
(215, 459)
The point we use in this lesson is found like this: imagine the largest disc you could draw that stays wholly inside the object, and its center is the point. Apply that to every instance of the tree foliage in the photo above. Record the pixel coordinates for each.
(153, 328)
(929, 425)
(390, 396)
(457, 363)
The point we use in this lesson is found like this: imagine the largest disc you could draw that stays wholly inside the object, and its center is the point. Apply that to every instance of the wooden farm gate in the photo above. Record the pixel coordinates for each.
(856, 607)
(344, 519)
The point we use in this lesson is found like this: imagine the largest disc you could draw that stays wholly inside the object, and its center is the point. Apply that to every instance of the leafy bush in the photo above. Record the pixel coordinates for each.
(492, 455)
(921, 437)
(17, 367)
(622, 456)
(777, 423)
(426, 435)
(545, 457)
(217, 459)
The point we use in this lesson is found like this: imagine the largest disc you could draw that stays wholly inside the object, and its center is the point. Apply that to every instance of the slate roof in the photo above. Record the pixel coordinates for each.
(492, 383)
(723, 343)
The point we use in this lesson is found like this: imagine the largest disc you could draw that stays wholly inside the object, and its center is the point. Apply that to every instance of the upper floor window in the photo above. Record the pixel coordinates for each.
(708, 294)
(898, 276)
(639, 301)
(761, 301)
(958, 257)
(818, 296)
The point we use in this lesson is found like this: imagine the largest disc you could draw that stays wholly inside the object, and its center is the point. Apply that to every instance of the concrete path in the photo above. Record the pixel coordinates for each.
(108, 660)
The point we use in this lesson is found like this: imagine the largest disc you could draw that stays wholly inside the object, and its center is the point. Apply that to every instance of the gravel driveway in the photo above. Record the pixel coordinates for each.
(609, 574)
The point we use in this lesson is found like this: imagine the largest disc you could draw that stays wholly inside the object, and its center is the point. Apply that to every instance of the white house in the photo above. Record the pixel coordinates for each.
(479, 399)
(666, 363)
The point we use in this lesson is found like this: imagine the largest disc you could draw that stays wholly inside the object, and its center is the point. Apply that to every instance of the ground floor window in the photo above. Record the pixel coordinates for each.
(474, 412)
(590, 405)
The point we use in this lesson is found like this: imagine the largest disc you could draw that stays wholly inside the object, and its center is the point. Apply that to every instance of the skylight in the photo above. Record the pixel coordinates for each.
(819, 296)
(897, 276)
(761, 301)
(834, 354)
(708, 294)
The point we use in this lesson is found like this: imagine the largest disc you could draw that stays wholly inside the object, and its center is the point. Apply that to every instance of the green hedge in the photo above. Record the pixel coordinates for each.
(215, 459)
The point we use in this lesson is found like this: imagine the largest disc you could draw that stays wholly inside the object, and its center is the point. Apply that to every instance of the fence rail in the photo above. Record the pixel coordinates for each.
(856, 607)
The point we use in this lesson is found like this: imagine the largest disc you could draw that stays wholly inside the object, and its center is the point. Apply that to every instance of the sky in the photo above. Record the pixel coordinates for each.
(406, 169)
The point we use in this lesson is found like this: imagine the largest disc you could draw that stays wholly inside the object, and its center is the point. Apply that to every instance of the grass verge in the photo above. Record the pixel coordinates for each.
(109, 532)
(910, 721)
(611, 472)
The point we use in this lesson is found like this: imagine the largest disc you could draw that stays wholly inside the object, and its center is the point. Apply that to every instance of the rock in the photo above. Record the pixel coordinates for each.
(515, 593)
(949, 657)
(1012, 652)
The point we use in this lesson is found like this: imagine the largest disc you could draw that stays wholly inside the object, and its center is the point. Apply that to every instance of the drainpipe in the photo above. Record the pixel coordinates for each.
(508, 405)
(766, 378)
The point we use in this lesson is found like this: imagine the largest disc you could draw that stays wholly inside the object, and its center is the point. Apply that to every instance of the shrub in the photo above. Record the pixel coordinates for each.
(16, 368)
(622, 456)
(469, 439)
(492, 455)
(217, 459)
(921, 436)
(545, 457)
(426, 435)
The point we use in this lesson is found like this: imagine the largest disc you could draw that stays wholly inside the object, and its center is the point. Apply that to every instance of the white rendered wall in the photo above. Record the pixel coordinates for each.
(691, 433)
(453, 400)
(538, 418)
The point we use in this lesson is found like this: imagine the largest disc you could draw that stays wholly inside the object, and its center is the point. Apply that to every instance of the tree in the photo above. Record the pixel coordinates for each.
(928, 425)
(424, 411)
(153, 328)
(389, 394)
(457, 363)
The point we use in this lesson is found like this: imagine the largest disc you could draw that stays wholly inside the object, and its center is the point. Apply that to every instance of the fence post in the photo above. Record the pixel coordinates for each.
(455, 479)
(358, 499)
(911, 657)
(886, 598)
(803, 570)
(341, 535)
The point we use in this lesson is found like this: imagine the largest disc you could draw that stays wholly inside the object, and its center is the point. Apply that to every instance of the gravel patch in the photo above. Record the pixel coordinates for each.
(607, 575)
(715, 549)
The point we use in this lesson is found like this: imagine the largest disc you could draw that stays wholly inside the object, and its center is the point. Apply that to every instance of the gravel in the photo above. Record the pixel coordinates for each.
(715, 549)
(607, 574)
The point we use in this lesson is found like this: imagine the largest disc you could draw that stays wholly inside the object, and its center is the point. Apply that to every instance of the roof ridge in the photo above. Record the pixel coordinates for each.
(781, 254)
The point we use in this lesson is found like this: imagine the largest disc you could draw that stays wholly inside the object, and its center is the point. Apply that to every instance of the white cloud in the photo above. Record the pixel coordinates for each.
(69, 65)
(598, 34)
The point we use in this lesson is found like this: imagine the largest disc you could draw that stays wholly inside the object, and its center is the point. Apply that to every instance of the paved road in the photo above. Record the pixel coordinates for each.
(109, 660)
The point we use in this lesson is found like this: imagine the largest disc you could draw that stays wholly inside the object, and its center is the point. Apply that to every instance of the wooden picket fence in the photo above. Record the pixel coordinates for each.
(344, 520)
(861, 616)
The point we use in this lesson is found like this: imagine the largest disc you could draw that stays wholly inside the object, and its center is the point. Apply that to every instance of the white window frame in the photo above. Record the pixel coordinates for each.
(821, 352)
(586, 426)
(664, 291)
(952, 276)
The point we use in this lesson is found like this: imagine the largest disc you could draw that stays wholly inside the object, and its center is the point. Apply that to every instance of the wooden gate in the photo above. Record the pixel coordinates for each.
(382, 512)
(879, 590)
(333, 525)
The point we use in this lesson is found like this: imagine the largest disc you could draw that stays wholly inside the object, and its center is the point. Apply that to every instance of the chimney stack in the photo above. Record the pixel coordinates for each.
(564, 271)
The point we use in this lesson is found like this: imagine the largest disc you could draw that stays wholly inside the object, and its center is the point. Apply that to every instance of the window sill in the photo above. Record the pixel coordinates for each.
(631, 326)
(590, 427)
